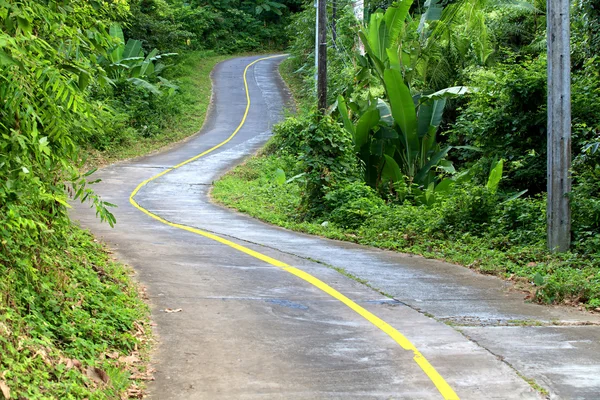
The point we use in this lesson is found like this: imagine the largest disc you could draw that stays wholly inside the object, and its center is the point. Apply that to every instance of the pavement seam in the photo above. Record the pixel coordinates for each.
(542, 391)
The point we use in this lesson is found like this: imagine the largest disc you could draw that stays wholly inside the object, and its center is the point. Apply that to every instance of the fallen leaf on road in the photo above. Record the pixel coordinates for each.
(113, 355)
(97, 375)
(134, 392)
(5, 390)
(129, 359)
(171, 310)
(143, 376)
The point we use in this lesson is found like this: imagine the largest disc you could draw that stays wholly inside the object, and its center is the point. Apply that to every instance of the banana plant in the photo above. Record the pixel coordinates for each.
(382, 37)
(126, 62)
(396, 137)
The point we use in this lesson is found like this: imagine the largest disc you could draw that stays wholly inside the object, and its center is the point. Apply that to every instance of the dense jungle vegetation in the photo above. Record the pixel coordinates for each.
(435, 140)
(107, 79)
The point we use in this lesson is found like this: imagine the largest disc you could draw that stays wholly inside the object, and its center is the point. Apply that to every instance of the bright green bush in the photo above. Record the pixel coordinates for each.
(328, 157)
(585, 201)
(352, 204)
(288, 136)
(506, 118)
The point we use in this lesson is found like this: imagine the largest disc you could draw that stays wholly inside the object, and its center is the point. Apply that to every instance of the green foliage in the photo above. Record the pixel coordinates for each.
(392, 115)
(49, 110)
(267, 6)
(585, 201)
(506, 118)
(288, 135)
(352, 204)
(326, 153)
(125, 62)
(61, 298)
(225, 26)
(395, 136)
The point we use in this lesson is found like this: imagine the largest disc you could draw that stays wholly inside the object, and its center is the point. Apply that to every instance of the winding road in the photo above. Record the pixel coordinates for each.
(265, 314)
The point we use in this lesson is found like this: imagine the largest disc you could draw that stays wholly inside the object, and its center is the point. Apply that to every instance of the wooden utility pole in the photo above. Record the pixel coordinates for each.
(322, 55)
(559, 125)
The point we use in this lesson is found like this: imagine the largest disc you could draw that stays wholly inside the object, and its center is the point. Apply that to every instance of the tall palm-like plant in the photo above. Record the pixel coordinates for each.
(395, 136)
(126, 62)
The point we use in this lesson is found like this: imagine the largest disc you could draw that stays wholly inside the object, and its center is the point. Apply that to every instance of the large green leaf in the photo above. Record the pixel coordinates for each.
(385, 113)
(438, 112)
(377, 34)
(147, 67)
(391, 171)
(365, 123)
(144, 84)
(449, 93)
(433, 12)
(433, 161)
(394, 57)
(495, 176)
(424, 118)
(116, 32)
(403, 109)
(133, 48)
(377, 63)
(343, 109)
(444, 186)
(6, 59)
(395, 17)
(279, 177)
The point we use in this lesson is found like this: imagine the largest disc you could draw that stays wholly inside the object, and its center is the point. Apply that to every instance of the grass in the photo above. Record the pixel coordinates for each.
(569, 277)
(295, 84)
(72, 322)
(193, 72)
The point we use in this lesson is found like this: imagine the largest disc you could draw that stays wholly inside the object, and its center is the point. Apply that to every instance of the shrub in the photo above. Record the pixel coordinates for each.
(521, 221)
(327, 152)
(288, 135)
(352, 204)
(506, 118)
(585, 202)
(467, 208)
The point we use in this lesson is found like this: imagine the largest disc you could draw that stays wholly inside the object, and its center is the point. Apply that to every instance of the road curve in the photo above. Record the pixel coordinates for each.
(250, 329)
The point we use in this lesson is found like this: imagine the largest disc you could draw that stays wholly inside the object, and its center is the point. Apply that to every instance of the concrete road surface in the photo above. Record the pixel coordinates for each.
(265, 316)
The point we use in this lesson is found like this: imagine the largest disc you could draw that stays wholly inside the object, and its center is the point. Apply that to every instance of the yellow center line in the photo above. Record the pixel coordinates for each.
(443, 387)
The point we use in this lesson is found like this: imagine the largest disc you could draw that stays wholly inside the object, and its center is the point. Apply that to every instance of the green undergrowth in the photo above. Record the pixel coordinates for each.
(267, 187)
(72, 323)
(176, 118)
(294, 83)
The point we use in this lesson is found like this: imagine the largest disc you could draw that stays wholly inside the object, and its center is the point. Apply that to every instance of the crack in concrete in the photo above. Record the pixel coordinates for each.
(542, 391)
(479, 322)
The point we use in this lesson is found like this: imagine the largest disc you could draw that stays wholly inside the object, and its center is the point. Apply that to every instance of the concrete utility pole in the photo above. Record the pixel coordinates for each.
(359, 12)
(316, 43)
(322, 55)
(334, 22)
(559, 125)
